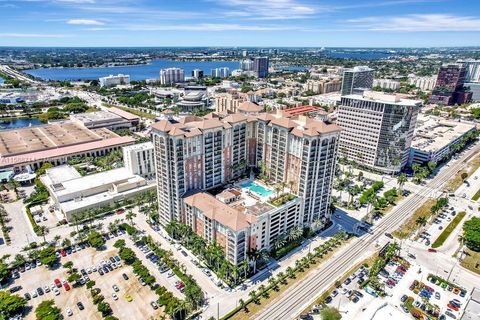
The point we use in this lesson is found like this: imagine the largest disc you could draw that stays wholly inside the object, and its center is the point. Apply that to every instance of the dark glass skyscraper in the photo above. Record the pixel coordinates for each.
(449, 88)
(357, 80)
(260, 67)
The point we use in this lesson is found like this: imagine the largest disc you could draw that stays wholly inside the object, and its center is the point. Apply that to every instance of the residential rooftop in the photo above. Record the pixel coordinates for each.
(191, 125)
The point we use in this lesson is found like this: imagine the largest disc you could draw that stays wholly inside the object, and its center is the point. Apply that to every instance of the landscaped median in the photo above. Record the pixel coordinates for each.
(476, 196)
(449, 229)
(420, 217)
(283, 280)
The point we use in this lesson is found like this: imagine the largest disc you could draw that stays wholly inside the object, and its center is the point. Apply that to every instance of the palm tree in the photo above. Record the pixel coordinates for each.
(254, 256)
(42, 231)
(316, 224)
(279, 242)
(130, 215)
(421, 221)
(253, 296)
(290, 272)
(244, 266)
(402, 178)
(295, 234)
(277, 189)
(273, 282)
(242, 304)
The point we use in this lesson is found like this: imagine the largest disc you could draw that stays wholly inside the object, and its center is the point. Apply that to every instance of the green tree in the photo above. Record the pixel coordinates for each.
(47, 310)
(74, 277)
(10, 304)
(402, 178)
(128, 255)
(471, 234)
(47, 256)
(330, 313)
(95, 239)
(4, 272)
(120, 243)
(90, 284)
(68, 265)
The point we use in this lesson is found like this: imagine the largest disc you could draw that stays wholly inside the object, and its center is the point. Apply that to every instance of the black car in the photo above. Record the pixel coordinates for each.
(80, 305)
(109, 267)
(100, 271)
(105, 269)
(355, 299)
(117, 258)
(16, 275)
(184, 253)
(15, 289)
(27, 296)
(83, 272)
(124, 276)
(40, 291)
(112, 259)
(328, 299)
(404, 298)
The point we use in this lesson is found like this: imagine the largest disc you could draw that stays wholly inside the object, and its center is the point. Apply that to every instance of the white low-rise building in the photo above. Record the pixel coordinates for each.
(112, 81)
(386, 84)
(73, 193)
(435, 136)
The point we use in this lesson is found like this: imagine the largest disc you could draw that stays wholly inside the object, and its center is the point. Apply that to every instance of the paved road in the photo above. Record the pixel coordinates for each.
(295, 300)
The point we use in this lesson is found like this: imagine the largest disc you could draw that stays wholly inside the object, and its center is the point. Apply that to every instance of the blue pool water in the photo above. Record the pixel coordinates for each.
(261, 190)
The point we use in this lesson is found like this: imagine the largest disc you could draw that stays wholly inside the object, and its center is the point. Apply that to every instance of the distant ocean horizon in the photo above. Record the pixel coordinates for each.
(136, 72)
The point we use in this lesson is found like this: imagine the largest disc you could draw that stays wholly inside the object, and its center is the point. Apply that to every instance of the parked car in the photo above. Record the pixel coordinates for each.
(15, 289)
(154, 305)
(115, 288)
(124, 276)
(80, 305)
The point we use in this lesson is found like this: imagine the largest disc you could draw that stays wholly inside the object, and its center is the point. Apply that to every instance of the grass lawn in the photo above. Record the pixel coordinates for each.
(254, 308)
(476, 196)
(457, 181)
(471, 261)
(410, 226)
(449, 229)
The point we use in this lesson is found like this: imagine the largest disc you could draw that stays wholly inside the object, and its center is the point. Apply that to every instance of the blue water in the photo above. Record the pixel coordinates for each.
(360, 55)
(18, 123)
(261, 190)
(138, 72)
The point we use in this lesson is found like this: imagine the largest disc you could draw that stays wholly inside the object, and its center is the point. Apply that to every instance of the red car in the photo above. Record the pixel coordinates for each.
(66, 286)
(57, 283)
(120, 211)
(431, 250)
(63, 253)
(452, 306)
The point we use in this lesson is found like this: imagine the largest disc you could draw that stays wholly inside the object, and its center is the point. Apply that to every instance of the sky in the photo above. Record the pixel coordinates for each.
(222, 23)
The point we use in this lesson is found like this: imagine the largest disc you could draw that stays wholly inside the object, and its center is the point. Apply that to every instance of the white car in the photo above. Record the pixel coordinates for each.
(69, 312)
(46, 289)
(56, 291)
(89, 270)
(114, 296)
(34, 294)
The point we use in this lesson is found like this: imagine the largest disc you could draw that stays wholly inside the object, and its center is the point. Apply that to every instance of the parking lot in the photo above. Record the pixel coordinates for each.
(89, 260)
(407, 285)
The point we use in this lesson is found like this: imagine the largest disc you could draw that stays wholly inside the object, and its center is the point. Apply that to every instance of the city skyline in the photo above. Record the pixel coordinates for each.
(284, 23)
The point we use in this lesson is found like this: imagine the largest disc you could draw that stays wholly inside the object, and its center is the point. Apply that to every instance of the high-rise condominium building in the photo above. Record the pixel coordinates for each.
(197, 73)
(139, 159)
(246, 65)
(196, 155)
(473, 70)
(449, 88)
(377, 129)
(357, 80)
(423, 83)
(172, 75)
(260, 67)
(220, 72)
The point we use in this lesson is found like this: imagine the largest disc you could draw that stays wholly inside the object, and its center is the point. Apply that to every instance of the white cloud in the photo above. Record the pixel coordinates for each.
(86, 22)
(32, 35)
(269, 9)
(419, 23)
(194, 27)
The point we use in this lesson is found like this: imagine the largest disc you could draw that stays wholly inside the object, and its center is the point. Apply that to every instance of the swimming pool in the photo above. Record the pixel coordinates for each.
(255, 187)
